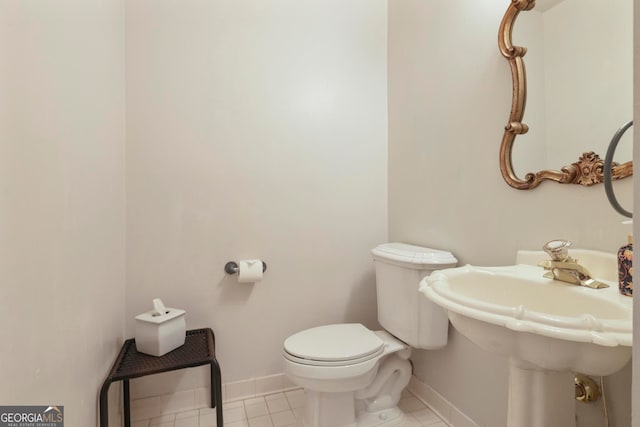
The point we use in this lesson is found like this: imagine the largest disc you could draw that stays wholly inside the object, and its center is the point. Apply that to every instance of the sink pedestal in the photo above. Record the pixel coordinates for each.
(540, 398)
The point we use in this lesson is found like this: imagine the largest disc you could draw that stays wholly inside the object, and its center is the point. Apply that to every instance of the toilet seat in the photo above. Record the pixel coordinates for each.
(330, 363)
(356, 353)
(333, 345)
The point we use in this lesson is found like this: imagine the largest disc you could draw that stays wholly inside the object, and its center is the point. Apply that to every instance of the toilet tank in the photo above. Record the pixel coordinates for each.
(402, 310)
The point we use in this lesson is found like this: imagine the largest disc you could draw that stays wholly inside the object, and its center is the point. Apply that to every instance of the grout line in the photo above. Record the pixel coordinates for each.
(417, 389)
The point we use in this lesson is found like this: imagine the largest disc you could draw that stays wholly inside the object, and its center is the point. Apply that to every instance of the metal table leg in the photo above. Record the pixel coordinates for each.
(127, 404)
(216, 391)
(104, 404)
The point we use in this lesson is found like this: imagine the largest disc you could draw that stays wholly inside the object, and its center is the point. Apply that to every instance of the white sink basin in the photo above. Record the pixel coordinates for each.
(551, 324)
(547, 328)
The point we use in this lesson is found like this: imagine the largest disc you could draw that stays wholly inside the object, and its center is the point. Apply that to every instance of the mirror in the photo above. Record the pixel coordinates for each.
(577, 89)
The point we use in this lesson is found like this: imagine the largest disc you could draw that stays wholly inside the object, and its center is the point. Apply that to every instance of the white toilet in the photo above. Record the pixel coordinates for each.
(353, 376)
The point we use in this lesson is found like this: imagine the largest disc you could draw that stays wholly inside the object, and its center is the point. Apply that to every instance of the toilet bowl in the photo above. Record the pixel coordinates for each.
(352, 376)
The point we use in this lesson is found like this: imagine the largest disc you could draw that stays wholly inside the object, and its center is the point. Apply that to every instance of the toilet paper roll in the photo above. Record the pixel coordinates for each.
(250, 271)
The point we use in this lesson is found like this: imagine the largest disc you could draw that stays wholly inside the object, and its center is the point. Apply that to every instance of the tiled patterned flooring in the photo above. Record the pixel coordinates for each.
(279, 410)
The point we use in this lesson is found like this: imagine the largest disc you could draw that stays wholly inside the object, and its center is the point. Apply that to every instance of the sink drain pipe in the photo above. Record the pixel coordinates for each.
(587, 390)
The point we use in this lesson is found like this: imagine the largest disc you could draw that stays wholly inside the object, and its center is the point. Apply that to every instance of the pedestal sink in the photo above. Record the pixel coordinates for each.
(548, 329)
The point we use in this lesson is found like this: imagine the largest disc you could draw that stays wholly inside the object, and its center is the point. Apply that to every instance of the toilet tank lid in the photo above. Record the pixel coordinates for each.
(415, 255)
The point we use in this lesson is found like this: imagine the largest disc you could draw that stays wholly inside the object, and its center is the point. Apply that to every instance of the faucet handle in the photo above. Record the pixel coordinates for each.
(558, 250)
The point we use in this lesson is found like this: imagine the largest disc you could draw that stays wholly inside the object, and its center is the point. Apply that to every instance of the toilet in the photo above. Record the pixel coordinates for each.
(353, 376)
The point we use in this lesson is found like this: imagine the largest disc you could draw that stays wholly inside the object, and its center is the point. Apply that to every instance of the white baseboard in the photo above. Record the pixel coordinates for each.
(445, 409)
(187, 400)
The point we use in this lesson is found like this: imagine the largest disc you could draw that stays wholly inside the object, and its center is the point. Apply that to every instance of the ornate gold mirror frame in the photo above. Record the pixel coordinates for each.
(587, 170)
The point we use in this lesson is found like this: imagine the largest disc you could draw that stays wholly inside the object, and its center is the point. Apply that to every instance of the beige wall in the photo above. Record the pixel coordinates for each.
(254, 130)
(636, 208)
(61, 201)
(449, 99)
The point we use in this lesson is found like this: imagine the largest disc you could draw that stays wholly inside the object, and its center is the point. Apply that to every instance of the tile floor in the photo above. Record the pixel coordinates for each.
(279, 410)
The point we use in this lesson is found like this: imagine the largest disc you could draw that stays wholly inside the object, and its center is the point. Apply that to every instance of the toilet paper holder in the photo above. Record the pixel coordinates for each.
(232, 267)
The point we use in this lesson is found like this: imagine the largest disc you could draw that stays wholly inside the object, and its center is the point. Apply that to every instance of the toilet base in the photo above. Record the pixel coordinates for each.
(341, 412)
(368, 399)
(385, 418)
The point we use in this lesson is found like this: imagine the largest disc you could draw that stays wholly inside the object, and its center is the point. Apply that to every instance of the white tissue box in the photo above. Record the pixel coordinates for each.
(158, 334)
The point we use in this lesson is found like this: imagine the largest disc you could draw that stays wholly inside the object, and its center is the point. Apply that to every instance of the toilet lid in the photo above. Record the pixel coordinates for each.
(332, 343)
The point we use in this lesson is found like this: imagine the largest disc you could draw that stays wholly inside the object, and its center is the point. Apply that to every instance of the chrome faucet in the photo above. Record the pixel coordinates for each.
(566, 269)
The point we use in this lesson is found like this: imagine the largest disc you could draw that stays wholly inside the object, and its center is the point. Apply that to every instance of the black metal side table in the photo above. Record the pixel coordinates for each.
(198, 349)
